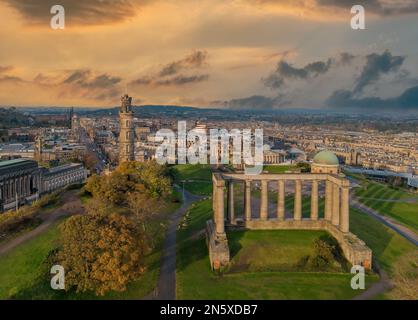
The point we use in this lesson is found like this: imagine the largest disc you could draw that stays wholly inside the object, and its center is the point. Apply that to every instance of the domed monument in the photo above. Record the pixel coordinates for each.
(325, 162)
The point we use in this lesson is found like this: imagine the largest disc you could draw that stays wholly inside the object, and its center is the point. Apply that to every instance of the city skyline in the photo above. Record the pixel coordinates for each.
(235, 54)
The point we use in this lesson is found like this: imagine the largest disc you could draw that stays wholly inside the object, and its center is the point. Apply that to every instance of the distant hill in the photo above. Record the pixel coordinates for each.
(12, 118)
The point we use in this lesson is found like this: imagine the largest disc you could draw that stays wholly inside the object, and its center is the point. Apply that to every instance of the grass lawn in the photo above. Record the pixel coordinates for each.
(21, 266)
(270, 250)
(200, 177)
(194, 172)
(397, 256)
(374, 194)
(257, 257)
(21, 269)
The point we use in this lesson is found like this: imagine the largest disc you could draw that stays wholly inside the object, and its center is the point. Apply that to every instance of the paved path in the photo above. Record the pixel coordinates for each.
(72, 205)
(406, 200)
(166, 287)
(400, 229)
(383, 285)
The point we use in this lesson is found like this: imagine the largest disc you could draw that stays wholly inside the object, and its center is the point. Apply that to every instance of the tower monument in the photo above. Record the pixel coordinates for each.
(126, 135)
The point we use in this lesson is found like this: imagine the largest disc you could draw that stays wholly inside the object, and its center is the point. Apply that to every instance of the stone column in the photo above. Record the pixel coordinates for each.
(314, 200)
(297, 215)
(280, 199)
(19, 189)
(220, 207)
(247, 196)
(328, 200)
(231, 217)
(345, 209)
(336, 205)
(27, 185)
(264, 200)
(214, 202)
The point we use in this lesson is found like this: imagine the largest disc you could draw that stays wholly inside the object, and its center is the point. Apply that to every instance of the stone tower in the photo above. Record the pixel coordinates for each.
(126, 135)
(37, 154)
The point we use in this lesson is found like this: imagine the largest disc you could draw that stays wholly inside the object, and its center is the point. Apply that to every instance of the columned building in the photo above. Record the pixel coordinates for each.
(59, 177)
(331, 215)
(20, 180)
(127, 133)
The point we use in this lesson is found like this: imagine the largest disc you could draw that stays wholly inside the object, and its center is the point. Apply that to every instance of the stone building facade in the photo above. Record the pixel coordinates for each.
(22, 181)
(62, 176)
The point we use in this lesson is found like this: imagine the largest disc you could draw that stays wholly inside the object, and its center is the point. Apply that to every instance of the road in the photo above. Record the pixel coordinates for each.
(166, 287)
(71, 205)
(92, 147)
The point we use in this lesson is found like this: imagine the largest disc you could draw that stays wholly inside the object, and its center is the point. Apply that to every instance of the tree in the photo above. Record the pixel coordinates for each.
(149, 178)
(100, 252)
(90, 161)
(144, 208)
(155, 177)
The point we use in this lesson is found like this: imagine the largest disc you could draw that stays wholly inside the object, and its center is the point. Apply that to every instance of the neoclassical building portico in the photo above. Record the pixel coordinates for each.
(335, 218)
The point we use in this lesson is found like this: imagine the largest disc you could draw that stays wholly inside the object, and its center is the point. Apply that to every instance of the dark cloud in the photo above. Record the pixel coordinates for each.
(77, 76)
(84, 79)
(346, 99)
(380, 7)
(255, 102)
(346, 58)
(285, 71)
(81, 12)
(196, 59)
(182, 80)
(177, 73)
(172, 81)
(377, 65)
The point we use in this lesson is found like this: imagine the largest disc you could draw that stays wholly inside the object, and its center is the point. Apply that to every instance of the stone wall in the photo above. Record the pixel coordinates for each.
(218, 247)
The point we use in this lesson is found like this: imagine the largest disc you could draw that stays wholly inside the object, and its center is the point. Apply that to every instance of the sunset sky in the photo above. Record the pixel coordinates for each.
(218, 53)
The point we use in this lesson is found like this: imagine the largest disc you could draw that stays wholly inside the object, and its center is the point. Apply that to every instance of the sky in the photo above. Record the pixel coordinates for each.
(210, 53)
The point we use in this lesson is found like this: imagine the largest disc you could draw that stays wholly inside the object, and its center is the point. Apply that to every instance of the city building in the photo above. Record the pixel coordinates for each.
(58, 177)
(23, 181)
(20, 181)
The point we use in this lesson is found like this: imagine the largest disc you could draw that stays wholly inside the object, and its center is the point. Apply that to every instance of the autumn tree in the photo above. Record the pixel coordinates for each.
(144, 209)
(100, 252)
(90, 160)
(148, 177)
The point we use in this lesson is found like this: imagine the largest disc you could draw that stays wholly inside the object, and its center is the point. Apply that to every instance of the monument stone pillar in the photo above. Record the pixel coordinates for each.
(231, 216)
(220, 207)
(298, 200)
(328, 200)
(314, 200)
(345, 209)
(336, 205)
(281, 199)
(264, 200)
(247, 196)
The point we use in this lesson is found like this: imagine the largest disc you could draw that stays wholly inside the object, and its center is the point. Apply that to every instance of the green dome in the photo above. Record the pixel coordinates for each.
(326, 158)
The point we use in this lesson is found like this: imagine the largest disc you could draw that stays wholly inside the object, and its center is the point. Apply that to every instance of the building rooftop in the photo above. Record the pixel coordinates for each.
(6, 163)
(326, 157)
